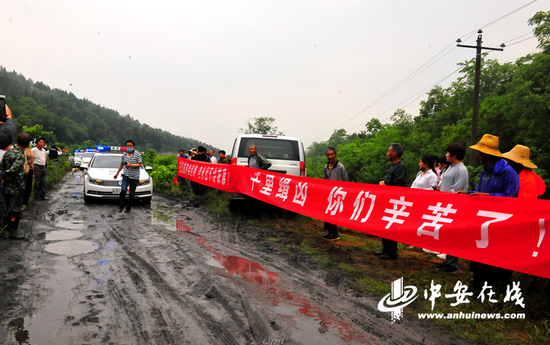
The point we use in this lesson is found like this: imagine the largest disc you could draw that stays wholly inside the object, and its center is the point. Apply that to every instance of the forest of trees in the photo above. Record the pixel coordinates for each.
(78, 122)
(514, 105)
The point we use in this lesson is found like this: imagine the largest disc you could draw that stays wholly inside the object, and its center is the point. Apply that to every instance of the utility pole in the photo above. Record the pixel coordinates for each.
(478, 47)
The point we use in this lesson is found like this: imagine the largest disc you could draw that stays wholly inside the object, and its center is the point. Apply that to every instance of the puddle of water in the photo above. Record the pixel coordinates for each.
(58, 235)
(44, 324)
(160, 217)
(312, 323)
(181, 226)
(210, 261)
(71, 248)
(70, 224)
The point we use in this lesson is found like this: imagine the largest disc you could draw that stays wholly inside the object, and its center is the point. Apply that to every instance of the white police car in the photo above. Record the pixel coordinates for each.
(85, 160)
(100, 183)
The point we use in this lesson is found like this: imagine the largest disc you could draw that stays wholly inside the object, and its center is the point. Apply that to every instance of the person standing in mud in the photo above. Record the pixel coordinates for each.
(6, 138)
(397, 176)
(28, 177)
(40, 158)
(131, 163)
(335, 171)
(13, 181)
(200, 189)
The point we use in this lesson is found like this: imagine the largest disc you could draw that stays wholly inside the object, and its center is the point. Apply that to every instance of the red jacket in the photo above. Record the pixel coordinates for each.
(531, 185)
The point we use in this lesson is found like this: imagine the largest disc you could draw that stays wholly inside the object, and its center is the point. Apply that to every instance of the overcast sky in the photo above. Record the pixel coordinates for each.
(201, 69)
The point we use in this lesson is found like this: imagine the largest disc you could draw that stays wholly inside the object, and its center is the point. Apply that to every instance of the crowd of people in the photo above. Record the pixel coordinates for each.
(200, 154)
(19, 164)
(507, 174)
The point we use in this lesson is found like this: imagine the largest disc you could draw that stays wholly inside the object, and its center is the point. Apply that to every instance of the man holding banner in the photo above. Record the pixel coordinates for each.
(335, 171)
(497, 178)
(397, 176)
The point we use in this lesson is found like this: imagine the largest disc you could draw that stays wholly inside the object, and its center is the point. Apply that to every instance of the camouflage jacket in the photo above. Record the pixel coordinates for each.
(12, 166)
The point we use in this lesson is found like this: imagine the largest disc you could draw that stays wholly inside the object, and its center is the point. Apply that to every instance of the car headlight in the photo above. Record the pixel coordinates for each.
(144, 182)
(95, 181)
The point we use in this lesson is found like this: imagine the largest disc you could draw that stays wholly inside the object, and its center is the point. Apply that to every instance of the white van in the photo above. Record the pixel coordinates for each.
(286, 154)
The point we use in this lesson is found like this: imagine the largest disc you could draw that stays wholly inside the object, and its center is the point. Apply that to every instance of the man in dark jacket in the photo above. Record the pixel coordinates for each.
(397, 176)
(334, 171)
(255, 160)
(200, 189)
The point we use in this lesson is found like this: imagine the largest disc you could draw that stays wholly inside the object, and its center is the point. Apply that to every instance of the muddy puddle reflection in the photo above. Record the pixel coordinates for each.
(58, 235)
(40, 327)
(70, 224)
(309, 320)
(71, 248)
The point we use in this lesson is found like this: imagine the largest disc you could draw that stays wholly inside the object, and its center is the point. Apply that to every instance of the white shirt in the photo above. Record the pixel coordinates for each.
(426, 181)
(39, 156)
(3, 151)
(213, 160)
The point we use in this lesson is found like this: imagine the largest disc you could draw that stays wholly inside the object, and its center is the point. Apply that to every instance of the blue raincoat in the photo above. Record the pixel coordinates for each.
(500, 179)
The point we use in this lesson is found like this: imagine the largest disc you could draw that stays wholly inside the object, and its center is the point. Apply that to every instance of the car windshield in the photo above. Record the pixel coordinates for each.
(89, 154)
(78, 154)
(106, 162)
(271, 148)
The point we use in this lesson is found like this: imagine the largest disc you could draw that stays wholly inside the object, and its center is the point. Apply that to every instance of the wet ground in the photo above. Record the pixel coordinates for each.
(170, 273)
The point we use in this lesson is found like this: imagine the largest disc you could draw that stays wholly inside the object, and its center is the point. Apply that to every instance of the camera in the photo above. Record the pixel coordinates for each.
(3, 114)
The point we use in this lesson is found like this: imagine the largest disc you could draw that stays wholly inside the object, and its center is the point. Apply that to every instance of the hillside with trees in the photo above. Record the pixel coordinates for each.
(514, 105)
(75, 121)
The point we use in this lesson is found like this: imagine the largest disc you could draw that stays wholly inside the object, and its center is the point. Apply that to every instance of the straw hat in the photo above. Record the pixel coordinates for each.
(520, 154)
(489, 145)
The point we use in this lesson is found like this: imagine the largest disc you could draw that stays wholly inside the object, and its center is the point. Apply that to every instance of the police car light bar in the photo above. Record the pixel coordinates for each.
(109, 148)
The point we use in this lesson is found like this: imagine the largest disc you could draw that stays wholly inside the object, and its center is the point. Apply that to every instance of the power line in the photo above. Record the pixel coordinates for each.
(513, 39)
(523, 40)
(423, 67)
(398, 85)
(415, 96)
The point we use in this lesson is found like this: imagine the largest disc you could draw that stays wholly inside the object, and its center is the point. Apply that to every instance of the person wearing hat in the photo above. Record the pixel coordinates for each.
(497, 178)
(531, 185)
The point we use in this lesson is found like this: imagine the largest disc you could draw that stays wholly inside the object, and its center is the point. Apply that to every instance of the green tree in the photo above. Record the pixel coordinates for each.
(338, 137)
(36, 131)
(261, 125)
(541, 20)
(89, 144)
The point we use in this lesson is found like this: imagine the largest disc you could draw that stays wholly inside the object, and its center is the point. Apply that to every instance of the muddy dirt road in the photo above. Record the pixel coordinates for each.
(169, 273)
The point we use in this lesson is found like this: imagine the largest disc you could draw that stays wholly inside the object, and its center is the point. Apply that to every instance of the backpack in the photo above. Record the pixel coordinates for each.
(52, 154)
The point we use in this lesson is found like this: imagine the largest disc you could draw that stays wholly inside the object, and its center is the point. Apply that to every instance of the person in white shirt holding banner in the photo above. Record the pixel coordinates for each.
(455, 178)
(426, 177)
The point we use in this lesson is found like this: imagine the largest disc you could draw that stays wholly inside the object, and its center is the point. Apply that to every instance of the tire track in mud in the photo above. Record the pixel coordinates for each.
(215, 330)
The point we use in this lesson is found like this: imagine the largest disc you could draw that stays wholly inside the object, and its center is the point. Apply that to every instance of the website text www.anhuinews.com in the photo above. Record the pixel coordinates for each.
(472, 315)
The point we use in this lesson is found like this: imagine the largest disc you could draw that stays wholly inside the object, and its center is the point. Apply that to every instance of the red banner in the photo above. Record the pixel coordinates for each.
(499, 231)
